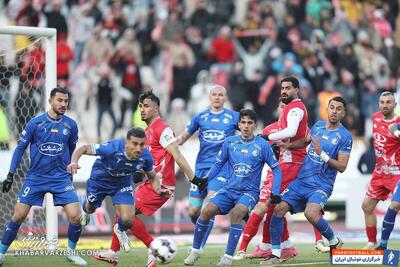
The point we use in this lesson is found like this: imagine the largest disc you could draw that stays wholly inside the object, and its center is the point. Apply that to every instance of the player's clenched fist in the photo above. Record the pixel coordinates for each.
(73, 167)
(7, 183)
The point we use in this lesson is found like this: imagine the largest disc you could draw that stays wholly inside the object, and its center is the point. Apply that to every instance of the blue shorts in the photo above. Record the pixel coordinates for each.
(225, 199)
(213, 185)
(97, 190)
(396, 193)
(298, 194)
(34, 188)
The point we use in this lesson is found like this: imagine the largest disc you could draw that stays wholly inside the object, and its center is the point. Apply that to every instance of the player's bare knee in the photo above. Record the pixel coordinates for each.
(260, 209)
(368, 207)
(194, 211)
(281, 209)
(127, 221)
(312, 215)
(18, 218)
(395, 206)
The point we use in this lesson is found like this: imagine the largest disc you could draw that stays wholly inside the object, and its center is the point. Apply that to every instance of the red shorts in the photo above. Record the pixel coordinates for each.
(381, 185)
(147, 201)
(289, 173)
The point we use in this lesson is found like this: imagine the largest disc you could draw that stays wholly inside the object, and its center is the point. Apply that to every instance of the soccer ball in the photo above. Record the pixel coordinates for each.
(163, 249)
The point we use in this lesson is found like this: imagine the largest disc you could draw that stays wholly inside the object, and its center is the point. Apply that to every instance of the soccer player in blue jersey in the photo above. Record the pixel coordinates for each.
(214, 125)
(329, 153)
(245, 155)
(52, 137)
(111, 176)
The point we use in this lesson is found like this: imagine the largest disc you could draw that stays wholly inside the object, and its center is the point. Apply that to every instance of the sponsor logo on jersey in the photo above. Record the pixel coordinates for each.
(213, 136)
(51, 149)
(242, 170)
(314, 156)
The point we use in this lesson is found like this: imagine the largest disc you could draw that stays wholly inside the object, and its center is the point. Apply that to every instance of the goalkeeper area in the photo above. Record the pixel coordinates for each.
(212, 253)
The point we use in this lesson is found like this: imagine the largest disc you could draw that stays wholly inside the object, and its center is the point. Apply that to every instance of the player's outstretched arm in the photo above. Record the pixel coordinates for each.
(173, 149)
(73, 166)
(155, 181)
(183, 137)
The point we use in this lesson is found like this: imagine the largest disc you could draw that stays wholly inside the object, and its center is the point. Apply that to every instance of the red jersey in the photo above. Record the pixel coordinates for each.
(293, 155)
(386, 145)
(271, 128)
(158, 136)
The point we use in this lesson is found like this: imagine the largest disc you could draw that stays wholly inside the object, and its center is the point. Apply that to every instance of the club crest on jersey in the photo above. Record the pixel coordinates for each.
(255, 153)
(54, 131)
(225, 120)
(334, 141)
(65, 132)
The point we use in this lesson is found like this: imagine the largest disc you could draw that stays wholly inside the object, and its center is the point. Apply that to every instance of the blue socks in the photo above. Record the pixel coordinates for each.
(10, 233)
(234, 235)
(387, 226)
(276, 229)
(325, 229)
(209, 229)
(199, 232)
(74, 232)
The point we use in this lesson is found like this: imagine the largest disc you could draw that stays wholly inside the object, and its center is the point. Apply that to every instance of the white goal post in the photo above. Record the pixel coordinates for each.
(51, 81)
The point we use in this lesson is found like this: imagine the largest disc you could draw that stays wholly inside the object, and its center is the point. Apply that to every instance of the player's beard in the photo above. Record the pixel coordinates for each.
(58, 112)
(287, 100)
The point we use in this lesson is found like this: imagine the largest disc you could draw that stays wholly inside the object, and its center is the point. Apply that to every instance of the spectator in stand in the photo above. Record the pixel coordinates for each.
(392, 53)
(177, 115)
(222, 50)
(95, 12)
(197, 101)
(54, 17)
(105, 89)
(65, 55)
(130, 44)
(97, 48)
(237, 92)
(125, 65)
(84, 28)
(201, 18)
(27, 15)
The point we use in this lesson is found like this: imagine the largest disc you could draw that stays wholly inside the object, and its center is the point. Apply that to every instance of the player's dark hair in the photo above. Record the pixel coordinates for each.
(56, 90)
(149, 95)
(248, 113)
(135, 132)
(295, 82)
(338, 99)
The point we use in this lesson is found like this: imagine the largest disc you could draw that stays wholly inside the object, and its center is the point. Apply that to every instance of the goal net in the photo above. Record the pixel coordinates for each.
(23, 93)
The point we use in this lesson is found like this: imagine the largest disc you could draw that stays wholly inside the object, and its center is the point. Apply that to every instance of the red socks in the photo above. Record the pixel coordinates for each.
(250, 230)
(371, 233)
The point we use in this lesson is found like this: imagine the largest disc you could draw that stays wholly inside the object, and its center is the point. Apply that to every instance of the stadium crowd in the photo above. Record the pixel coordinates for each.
(181, 47)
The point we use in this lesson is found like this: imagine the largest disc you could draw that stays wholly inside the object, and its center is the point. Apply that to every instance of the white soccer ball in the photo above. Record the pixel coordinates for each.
(163, 249)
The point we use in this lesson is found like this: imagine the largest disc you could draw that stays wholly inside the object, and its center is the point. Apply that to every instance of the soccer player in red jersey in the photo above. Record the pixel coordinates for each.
(161, 142)
(387, 167)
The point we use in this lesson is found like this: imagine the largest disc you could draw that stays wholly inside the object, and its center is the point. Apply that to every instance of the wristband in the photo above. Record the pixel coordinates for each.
(397, 133)
(324, 156)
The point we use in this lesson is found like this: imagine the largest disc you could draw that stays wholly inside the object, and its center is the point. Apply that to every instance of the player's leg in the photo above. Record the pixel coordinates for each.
(313, 215)
(213, 186)
(390, 218)
(251, 229)
(319, 242)
(195, 203)
(368, 207)
(376, 191)
(219, 203)
(11, 230)
(276, 229)
(29, 195)
(64, 194)
(94, 197)
(235, 231)
(124, 202)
